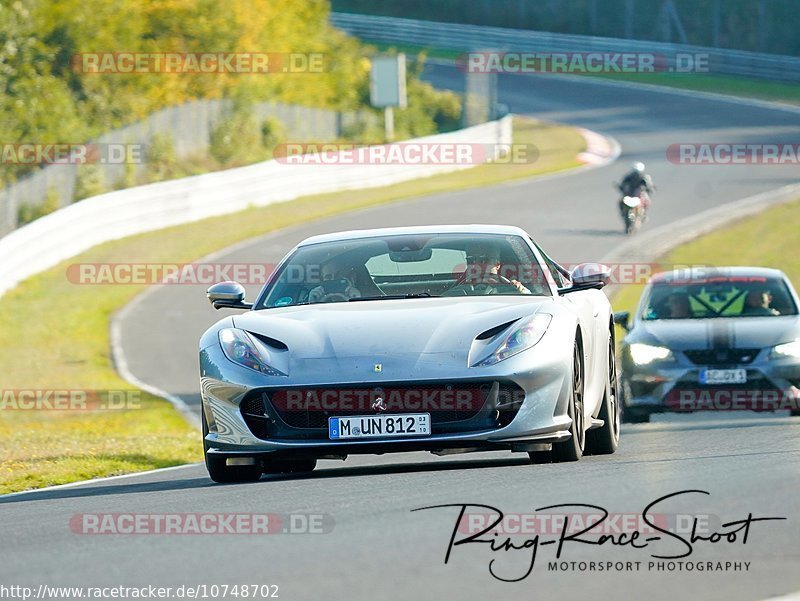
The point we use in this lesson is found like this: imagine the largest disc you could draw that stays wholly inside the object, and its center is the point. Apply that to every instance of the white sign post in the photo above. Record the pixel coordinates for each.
(387, 87)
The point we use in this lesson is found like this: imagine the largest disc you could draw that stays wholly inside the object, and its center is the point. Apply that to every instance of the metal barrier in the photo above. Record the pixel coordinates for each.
(67, 232)
(455, 36)
(189, 127)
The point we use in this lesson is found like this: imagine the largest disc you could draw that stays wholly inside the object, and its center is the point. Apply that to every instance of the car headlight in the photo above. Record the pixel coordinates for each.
(787, 349)
(526, 333)
(247, 351)
(644, 354)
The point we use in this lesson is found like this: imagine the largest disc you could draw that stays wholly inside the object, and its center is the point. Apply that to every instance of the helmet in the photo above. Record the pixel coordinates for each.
(638, 167)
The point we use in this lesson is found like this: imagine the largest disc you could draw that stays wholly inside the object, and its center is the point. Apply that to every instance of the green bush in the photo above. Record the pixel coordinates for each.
(236, 139)
(48, 93)
(272, 132)
(161, 160)
(128, 179)
(429, 110)
(30, 212)
(89, 182)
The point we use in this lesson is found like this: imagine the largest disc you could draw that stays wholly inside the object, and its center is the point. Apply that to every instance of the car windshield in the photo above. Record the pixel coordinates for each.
(406, 266)
(719, 297)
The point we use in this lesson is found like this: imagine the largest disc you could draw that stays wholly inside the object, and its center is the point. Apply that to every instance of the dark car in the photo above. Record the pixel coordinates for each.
(723, 338)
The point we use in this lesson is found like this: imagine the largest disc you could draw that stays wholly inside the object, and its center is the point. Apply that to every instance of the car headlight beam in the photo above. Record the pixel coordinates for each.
(786, 350)
(644, 354)
(247, 351)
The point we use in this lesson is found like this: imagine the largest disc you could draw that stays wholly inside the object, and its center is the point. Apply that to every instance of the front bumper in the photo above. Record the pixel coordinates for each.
(540, 416)
(771, 385)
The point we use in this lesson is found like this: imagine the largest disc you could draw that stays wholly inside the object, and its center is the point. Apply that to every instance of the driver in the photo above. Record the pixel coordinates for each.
(678, 306)
(757, 302)
(482, 274)
(336, 286)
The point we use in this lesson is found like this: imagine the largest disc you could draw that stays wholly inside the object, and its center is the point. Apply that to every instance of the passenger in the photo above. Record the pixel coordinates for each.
(757, 302)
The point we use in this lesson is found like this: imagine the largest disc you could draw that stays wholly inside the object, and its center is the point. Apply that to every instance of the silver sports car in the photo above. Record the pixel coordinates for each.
(721, 339)
(443, 339)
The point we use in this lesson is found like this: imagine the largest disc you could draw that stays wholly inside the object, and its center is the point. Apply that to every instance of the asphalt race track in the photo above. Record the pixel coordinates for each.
(374, 546)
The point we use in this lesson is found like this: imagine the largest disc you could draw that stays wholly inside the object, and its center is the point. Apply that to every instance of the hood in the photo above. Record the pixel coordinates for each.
(375, 330)
(735, 332)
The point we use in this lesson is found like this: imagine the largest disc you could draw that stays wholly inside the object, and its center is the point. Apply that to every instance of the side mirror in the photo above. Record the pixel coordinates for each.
(587, 276)
(591, 273)
(228, 295)
(621, 319)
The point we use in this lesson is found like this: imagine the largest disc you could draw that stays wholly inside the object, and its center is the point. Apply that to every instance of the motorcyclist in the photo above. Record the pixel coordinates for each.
(636, 183)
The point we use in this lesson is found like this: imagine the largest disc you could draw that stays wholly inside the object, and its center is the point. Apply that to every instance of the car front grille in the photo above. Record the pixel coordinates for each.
(253, 411)
(453, 407)
(722, 356)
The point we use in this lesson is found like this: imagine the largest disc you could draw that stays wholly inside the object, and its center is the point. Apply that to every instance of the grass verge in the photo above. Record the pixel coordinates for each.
(54, 335)
(767, 240)
(741, 87)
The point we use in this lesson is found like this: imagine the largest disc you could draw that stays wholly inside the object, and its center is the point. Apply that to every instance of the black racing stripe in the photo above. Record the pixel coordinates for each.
(721, 335)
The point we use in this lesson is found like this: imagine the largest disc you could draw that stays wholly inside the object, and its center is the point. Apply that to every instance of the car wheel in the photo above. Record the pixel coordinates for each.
(605, 439)
(572, 449)
(630, 415)
(217, 468)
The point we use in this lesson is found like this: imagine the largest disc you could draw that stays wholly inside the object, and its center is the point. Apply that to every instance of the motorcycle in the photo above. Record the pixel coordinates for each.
(633, 209)
(633, 213)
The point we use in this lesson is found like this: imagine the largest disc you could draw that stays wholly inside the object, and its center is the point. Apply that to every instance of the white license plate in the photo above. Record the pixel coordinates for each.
(723, 376)
(379, 426)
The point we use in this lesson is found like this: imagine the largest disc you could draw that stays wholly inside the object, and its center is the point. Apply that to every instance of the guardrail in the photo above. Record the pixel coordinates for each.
(188, 127)
(69, 231)
(461, 37)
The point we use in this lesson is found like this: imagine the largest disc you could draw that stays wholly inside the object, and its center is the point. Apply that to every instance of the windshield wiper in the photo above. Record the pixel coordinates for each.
(395, 296)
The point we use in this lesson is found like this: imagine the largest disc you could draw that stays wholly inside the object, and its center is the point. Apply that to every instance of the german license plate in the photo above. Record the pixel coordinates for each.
(379, 426)
(723, 376)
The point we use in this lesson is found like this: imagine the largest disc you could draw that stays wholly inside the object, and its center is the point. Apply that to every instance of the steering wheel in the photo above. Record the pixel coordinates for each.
(335, 297)
(494, 279)
(485, 284)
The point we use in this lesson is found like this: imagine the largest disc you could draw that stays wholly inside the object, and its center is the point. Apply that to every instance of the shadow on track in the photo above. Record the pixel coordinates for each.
(747, 421)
